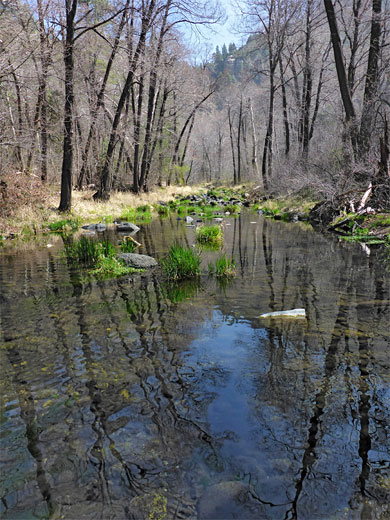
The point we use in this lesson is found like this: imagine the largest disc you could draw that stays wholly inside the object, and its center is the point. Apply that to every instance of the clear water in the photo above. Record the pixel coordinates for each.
(134, 398)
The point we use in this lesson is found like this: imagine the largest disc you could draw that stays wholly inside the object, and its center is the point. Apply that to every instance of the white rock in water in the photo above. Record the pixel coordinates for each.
(293, 313)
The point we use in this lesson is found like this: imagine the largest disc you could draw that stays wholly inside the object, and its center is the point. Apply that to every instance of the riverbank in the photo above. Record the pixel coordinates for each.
(29, 208)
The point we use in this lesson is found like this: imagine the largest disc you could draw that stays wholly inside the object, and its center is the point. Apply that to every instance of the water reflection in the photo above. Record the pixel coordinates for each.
(134, 398)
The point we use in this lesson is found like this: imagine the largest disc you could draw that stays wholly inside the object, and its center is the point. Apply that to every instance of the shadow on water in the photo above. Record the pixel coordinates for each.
(137, 398)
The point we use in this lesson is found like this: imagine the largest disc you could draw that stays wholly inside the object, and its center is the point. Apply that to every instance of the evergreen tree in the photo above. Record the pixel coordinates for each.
(224, 52)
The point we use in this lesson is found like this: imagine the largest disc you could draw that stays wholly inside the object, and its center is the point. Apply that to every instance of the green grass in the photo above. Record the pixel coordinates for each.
(223, 267)
(184, 209)
(99, 257)
(141, 215)
(110, 267)
(128, 214)
(84, 251)
(163, 211)
(143, 209)
(64, 225)
(127, 245)
(233, 208)
(181, 262)
(210, 235)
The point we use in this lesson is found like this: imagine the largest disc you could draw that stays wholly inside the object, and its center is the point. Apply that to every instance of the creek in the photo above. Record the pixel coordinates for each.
(135, 398)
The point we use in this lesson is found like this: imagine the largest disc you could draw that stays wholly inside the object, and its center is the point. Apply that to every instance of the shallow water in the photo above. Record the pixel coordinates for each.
(134, 398)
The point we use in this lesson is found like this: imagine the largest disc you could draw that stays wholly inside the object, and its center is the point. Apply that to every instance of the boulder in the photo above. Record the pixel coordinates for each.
(292, 313)
(136, 260)
(127, 227)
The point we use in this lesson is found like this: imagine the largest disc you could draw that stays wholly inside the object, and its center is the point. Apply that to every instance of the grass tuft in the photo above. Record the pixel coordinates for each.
(223, 268)
(99, 257)
(66, 225)
(84, 251)
(128, 245)
(211, 235)
(181, 262)
(163, 211)
(109, 267)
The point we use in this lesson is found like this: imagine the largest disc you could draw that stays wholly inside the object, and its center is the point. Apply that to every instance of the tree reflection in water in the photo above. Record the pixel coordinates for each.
(133, 398)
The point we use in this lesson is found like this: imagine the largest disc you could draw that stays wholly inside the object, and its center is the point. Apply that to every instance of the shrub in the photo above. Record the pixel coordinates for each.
(181, 262)
(212, 235)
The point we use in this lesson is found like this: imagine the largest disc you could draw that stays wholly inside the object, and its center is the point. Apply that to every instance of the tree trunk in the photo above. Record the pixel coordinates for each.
(67, 158)
(372, 80)
(255, 166)
(232, 146)
(137, 135)
(349, 109)
(104, 190)
(45, 56)
(285, 112)
(307, 86)
(100, 99)
(146, 158)
(266, 166)
(239, 143)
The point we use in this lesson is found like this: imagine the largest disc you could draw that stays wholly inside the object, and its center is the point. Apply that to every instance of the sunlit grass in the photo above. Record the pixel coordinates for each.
(163, 210)
(109, 267)
(64, 225)
(209, 235)
(88, 252)
(128, 245)
(223, 268)
(99, 257)
(181, 262)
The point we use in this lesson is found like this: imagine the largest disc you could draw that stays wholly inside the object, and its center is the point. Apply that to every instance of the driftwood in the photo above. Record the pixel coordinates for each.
(365, 197)
(348, 218)
(126, 238)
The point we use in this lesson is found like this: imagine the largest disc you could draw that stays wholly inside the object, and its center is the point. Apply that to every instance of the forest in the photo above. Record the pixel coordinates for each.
(107, 95)
(194, 260)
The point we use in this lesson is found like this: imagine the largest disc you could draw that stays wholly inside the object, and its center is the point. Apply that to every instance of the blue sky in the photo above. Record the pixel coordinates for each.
(218, 34)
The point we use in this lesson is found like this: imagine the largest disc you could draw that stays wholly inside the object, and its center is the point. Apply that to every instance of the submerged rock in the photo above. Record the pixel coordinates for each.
(293, 313)
(225, 500)
(127, 227)
(136, 260)
(95, 227)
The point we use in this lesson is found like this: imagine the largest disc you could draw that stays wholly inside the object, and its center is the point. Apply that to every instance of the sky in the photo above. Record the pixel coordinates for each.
(218, 34)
